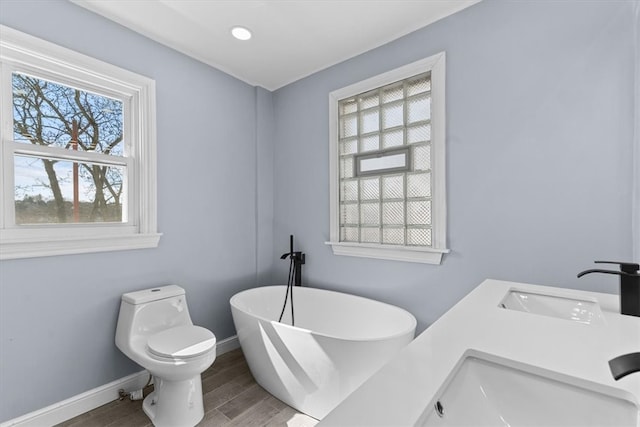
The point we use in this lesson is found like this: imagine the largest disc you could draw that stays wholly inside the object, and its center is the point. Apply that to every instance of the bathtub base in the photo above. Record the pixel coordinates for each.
(304, 376)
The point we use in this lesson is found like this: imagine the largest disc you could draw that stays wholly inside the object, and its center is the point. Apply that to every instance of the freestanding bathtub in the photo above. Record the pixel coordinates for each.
(338, 341)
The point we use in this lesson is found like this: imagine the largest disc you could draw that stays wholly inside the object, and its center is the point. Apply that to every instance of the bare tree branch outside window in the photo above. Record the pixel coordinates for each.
(43, 114)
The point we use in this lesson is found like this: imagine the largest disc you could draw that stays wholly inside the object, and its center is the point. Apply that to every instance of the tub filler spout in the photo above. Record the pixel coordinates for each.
(298, 259)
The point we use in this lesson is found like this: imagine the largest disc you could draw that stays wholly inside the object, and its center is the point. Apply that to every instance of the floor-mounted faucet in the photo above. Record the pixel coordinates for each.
(629, 285)
(298, 259)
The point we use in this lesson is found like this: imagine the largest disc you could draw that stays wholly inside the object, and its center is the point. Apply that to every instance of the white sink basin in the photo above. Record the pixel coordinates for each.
(578, 310)
(486, 390)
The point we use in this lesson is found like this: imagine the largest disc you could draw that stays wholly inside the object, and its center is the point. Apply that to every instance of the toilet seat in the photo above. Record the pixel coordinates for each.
(182, 342)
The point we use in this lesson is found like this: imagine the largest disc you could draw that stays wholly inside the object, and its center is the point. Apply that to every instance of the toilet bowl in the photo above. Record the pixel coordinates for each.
(155, 331)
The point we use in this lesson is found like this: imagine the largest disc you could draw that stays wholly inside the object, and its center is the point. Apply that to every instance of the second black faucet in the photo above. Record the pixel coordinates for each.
(629, 285)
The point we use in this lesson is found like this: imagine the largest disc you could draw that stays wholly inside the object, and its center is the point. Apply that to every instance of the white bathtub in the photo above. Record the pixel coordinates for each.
(338, 341)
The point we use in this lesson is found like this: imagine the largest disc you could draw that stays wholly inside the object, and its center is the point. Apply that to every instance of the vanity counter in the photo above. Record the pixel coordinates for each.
(399, 393)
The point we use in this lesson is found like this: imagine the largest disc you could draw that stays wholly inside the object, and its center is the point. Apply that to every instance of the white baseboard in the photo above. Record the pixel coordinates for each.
(84, 402)
(226, 345)
(79, 404)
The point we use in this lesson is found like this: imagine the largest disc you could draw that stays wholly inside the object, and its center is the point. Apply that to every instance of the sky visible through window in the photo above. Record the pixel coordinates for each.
(45, 114)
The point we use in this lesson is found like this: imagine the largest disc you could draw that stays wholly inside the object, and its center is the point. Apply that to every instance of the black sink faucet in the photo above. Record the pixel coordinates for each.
(629, 285)
(624, 365)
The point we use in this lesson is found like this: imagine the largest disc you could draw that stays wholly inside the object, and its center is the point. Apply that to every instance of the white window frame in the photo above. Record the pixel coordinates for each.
(428, 255)
(20, 52)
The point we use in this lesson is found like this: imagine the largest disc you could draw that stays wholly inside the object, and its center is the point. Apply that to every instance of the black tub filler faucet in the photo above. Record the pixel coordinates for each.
(629, 285)
(298, 259)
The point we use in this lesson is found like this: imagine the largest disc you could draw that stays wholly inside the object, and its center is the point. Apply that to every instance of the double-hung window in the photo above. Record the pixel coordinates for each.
(78, 152)
(387, 165)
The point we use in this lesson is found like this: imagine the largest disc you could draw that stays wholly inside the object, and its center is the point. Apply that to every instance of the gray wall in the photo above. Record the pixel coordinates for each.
(539, 148)
(540, 131)
(58, 314)
(636, 179)
(265, 125)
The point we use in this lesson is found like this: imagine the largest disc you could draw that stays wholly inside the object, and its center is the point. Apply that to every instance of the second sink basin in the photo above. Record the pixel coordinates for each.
(577, 310)
(486, 390)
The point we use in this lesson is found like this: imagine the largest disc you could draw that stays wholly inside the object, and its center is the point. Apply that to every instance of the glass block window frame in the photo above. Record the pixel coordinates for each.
(22, 54)
(400, 212)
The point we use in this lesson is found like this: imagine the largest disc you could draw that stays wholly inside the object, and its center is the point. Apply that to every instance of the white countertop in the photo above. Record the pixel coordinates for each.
(398, 394)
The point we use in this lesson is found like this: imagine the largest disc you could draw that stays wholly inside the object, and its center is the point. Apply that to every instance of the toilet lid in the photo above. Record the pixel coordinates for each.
(181, 342)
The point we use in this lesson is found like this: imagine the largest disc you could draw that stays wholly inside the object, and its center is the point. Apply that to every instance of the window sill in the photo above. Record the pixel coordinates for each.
(17, 248)
(388, 252)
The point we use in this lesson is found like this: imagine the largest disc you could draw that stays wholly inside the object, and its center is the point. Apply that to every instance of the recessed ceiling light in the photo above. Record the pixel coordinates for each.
(241, 33)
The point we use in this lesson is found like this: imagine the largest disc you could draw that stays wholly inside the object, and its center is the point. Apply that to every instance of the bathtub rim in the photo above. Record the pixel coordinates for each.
(404, 331)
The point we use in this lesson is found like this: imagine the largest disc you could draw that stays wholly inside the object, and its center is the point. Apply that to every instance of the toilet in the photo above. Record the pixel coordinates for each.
(155, 331)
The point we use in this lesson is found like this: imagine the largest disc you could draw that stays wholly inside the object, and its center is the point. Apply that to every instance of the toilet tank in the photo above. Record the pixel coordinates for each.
(150, 311)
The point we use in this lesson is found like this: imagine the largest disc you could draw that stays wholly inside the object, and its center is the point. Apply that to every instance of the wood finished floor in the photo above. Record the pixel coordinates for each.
(231, 398)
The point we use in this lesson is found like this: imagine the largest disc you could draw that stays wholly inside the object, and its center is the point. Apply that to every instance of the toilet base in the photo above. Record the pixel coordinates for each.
(175, 403)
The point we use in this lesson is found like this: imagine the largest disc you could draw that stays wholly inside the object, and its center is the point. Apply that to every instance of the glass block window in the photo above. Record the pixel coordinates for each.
(387, 165)
(390, 203)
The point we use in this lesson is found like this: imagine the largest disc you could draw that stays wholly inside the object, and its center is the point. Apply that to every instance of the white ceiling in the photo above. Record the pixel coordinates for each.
(291, 38)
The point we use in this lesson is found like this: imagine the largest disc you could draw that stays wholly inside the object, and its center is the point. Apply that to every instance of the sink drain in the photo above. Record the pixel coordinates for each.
(439, 409)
